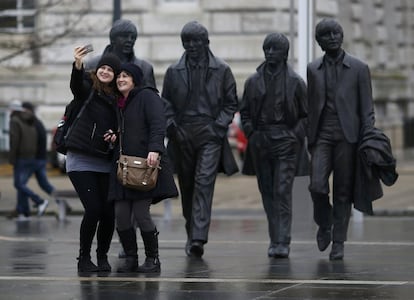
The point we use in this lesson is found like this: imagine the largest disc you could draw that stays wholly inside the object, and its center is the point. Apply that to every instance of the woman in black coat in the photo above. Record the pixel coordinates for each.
(142, 133)
(89, 157)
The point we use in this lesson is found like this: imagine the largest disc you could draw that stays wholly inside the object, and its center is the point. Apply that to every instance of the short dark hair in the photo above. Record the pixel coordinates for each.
(327, 24)
(195, 28)
(121, 26)
(29, 106)
(277, 39)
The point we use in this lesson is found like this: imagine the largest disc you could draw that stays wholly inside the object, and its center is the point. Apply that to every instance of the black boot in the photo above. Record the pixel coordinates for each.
(85, 265)
(152, 263)
(104, 238)
(128, 240)
(103, 264)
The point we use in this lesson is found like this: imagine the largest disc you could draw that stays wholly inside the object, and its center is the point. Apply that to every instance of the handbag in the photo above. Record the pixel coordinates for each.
(134, 172)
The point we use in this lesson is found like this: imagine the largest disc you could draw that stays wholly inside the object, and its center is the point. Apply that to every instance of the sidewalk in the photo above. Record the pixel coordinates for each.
(39, 263)
(39, 257)
(233, 195)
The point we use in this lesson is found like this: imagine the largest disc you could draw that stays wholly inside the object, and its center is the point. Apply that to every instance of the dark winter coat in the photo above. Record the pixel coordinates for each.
(143, 123)
(353, 98)
(23, 136)
(86, 133)
(220, 90)
(295, 112)
(41, 140)
(374, 163)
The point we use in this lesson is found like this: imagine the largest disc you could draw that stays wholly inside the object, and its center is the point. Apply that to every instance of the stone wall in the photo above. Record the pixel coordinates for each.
(380, 32)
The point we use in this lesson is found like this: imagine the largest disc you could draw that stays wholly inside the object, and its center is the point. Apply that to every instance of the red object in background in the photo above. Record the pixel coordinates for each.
(241, 141)
(236, 136)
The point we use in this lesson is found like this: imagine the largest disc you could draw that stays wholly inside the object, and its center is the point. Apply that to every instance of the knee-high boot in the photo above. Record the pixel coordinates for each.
(128, 240)
(152, 263)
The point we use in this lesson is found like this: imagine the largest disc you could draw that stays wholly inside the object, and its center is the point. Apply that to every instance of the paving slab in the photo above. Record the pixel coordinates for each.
(236, 193)
(39, 262)
(38, 258)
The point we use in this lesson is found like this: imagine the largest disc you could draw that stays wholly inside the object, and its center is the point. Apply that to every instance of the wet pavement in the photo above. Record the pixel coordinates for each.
(38, 258)
(38, 262)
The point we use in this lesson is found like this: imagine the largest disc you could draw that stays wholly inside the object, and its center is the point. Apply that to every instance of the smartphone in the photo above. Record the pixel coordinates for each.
(88, 48)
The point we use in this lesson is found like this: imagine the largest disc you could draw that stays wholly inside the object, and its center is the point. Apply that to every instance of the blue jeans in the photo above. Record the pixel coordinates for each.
(41, 176)
(23, 170)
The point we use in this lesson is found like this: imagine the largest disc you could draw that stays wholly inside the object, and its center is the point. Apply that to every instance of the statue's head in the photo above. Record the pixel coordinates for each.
(329, 35)
(276, 48)
(122, 36)
(194, 38)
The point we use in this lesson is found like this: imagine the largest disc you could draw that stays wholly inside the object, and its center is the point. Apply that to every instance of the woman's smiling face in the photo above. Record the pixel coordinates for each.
(105, 74)
(124, 83)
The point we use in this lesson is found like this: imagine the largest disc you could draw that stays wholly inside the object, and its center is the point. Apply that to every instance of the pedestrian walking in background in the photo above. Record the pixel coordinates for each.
(41, 154)
(201, 97)
(273, 116)
(24, 147)
(142, 133)
(89, 157)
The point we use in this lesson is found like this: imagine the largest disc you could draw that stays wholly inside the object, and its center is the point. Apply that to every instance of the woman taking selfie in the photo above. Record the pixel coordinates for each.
(89, 156)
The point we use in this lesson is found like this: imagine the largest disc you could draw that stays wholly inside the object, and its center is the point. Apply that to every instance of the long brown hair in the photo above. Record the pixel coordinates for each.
(108, 89)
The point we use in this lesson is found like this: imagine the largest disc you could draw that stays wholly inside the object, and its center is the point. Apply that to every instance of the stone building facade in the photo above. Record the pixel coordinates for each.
(380, 32)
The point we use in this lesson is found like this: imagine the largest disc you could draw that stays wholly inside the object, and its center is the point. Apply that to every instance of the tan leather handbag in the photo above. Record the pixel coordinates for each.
(133, 172)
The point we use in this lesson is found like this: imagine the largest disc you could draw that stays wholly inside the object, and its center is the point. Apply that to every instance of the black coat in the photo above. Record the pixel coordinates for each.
(144, 131)
(374, 163)
(220, 89)
(41, 140)
(296, 112)
(353, 99)
(99, 115)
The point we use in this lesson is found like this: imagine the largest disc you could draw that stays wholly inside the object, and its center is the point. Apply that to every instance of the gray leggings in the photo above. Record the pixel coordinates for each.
(134, 213)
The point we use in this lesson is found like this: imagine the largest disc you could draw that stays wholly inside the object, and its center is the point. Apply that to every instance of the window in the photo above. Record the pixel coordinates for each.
(17, 16)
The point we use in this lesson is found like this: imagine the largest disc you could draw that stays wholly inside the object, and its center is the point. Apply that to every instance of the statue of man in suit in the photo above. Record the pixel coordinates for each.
(201, 99)
(273, 115)
(340, 109)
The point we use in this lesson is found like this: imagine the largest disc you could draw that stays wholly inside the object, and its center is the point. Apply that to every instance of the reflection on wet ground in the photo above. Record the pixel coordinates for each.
(38, 261)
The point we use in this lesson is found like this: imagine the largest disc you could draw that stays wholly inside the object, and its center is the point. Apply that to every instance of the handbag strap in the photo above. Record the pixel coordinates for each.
(81, 110)
(86, 103)
(121, 130)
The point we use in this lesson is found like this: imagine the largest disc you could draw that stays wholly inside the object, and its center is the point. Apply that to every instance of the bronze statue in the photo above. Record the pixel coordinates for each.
(123, 36)
(201, 99)
(273, 113)
(340, 110)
